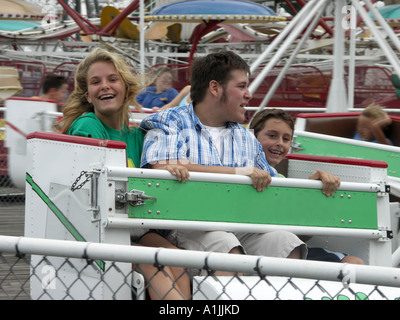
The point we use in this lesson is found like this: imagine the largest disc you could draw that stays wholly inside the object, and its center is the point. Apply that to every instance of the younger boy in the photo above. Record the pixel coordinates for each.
(274, 129)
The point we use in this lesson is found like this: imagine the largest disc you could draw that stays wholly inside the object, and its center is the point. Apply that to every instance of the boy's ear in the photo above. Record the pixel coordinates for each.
(214, 87)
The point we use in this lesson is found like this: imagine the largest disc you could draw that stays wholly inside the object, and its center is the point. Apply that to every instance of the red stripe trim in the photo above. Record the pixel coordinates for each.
(348, 161)
(333, 115)
(78, 140)
(149, 111)
(16, 129)
(328, 115)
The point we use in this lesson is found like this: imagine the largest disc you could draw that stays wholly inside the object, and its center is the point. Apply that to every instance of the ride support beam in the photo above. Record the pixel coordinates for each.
(85, 25)
(113, 25)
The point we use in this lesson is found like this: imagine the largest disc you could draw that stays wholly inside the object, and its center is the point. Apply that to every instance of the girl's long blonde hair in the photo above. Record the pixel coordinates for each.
(374, 111)
(77, 103)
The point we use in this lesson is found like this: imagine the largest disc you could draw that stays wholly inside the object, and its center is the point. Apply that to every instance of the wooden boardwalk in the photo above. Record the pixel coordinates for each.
(14, 271)
(12, 219)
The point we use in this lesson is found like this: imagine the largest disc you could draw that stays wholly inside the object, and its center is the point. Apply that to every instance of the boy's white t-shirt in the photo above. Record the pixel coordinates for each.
(217, 134)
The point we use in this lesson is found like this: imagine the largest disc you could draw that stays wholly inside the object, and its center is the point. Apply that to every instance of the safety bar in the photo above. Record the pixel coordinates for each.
(120, 172)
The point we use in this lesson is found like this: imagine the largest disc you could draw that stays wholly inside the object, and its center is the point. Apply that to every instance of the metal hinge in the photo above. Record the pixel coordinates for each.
(389, 234)
(385, 191)
(134, 198)
(386, 235)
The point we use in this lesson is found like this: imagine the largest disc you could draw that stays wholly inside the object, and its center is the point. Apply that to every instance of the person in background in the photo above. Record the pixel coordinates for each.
(372, 125)
(161, 93)
(99, 107)
(183, 98)
(274, 129)
(54, 87)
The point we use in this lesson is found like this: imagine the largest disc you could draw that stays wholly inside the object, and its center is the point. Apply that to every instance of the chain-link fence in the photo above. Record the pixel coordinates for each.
(77, 270)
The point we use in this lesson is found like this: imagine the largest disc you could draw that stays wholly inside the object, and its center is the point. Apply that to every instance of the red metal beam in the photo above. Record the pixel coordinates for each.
(85, 25)
(208, 27)
(291, 7)
(113, 25)
(322, 23)
(89, 28)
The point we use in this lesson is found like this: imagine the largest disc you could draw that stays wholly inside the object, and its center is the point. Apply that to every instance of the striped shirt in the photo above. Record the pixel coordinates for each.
(178, 134)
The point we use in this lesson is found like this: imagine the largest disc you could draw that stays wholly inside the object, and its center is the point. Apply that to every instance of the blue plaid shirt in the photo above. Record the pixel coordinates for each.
(177, 133)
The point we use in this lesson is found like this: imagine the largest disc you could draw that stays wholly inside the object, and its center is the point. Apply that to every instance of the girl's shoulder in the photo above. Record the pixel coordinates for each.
(88, 125)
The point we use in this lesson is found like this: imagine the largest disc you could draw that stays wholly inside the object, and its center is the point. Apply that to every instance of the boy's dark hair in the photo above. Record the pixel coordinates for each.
(215, 66)
(257, 124)
(52, 80)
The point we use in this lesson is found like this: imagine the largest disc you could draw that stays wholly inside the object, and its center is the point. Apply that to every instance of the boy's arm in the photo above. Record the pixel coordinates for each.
(165, 148)
(377, 129)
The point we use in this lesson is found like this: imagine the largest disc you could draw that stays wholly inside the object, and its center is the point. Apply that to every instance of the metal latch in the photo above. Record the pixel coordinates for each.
(134, 198)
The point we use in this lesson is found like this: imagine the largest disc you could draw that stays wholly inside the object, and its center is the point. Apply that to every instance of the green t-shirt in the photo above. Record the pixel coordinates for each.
(88, 125)
(396, 82)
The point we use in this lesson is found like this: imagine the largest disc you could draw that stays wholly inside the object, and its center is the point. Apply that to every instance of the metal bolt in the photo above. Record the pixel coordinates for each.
(349, 196)
(349, 221)
(158, 212)
(149, 211)
(149, 184)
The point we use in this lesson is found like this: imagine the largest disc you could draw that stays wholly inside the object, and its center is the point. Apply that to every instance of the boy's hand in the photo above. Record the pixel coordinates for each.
(180, 172)
(330, 183)
(260, 178)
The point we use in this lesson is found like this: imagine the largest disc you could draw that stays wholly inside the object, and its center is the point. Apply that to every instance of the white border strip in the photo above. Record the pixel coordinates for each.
(326, 137)
(133, 223)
